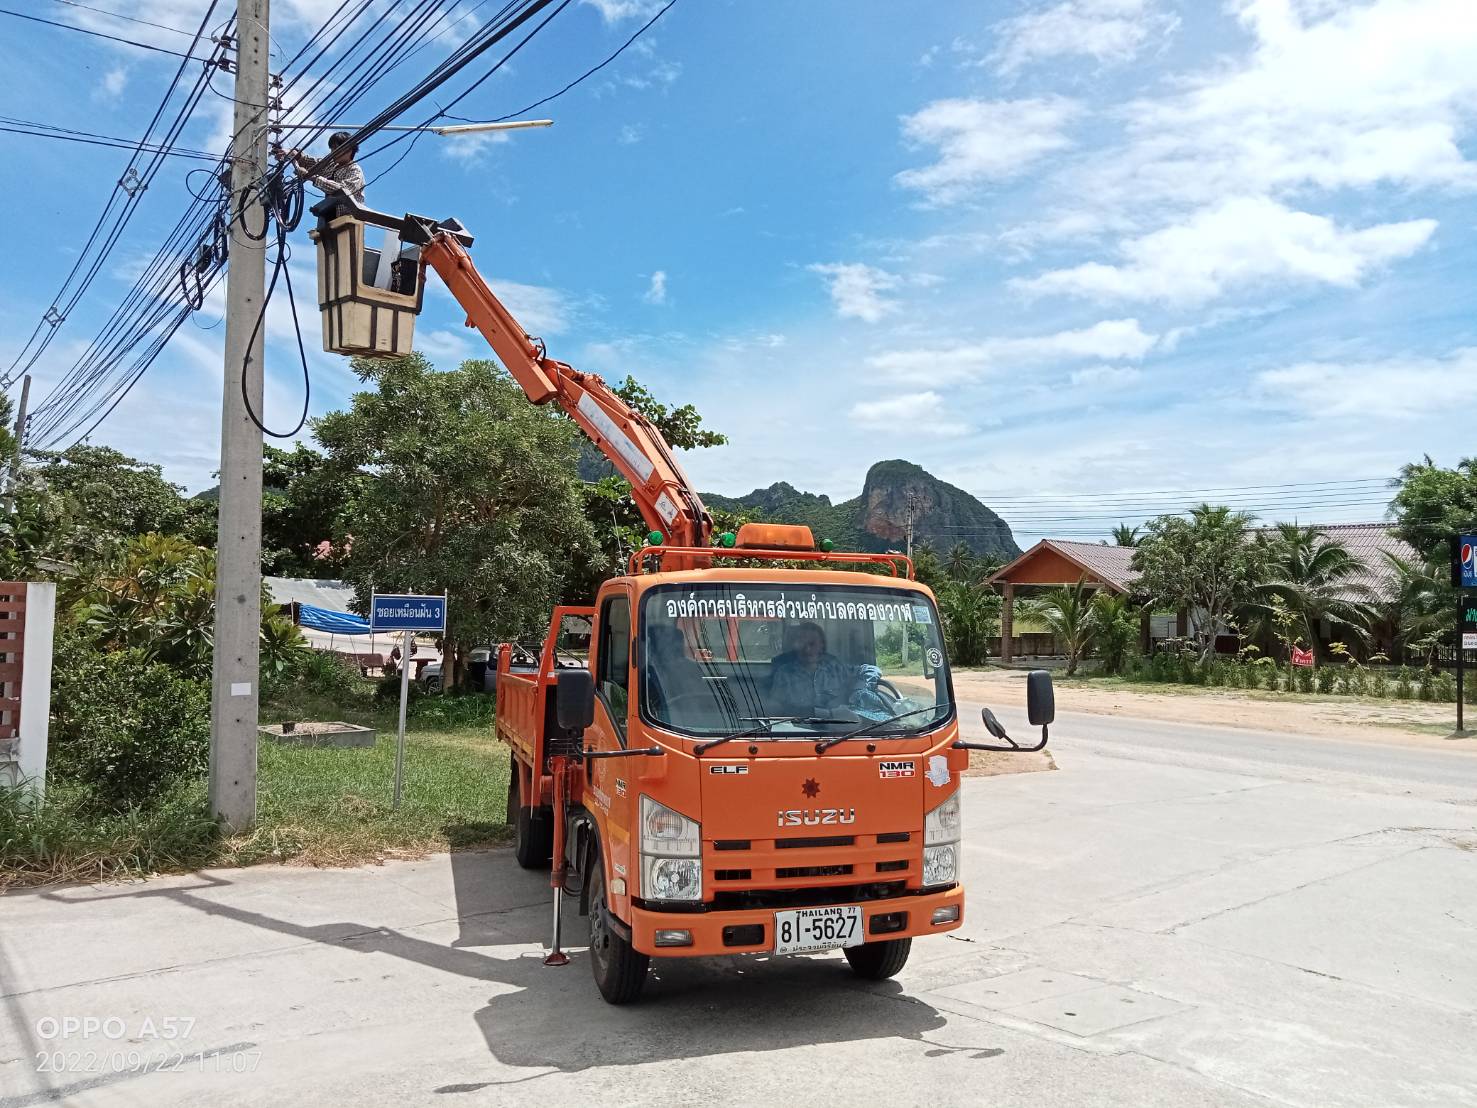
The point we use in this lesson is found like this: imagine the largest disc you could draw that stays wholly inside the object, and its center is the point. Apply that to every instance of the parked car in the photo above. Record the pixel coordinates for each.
(481, 671)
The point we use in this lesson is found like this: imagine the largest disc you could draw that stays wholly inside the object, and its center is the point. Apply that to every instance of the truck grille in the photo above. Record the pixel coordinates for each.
(734, 900)
(822, 840)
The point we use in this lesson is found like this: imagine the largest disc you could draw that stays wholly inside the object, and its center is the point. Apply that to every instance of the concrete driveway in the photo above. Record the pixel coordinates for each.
(1177, 916)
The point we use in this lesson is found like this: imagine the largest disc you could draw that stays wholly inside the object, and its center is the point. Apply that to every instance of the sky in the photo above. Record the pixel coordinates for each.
(1061, 254)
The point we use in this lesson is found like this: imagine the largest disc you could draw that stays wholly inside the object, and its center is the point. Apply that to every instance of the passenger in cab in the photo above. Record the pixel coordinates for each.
(807, 680)
(672, 675)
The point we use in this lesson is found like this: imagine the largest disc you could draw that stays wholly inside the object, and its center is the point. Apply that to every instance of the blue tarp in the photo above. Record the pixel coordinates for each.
(325, 619)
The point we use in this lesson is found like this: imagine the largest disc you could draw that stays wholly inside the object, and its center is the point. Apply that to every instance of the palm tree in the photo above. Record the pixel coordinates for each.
(1422, 606)
(1315, 580)
(959, 562)
(971, 618)
(1125, 535)
(1069, 613)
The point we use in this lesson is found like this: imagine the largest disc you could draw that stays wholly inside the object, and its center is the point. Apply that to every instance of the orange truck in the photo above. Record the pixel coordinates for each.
(748, 743)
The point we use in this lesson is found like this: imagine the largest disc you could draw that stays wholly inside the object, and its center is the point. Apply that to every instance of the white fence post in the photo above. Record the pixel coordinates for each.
(35, 713)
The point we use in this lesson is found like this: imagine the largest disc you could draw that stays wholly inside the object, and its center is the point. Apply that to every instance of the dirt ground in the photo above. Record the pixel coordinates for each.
(1340, 716)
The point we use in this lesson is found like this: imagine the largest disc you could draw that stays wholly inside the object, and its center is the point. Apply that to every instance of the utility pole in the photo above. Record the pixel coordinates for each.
(238, 582)
(20, 440)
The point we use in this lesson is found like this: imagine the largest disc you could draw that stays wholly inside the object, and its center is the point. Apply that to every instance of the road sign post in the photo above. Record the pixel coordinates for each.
(409, 613)
(1466, 639)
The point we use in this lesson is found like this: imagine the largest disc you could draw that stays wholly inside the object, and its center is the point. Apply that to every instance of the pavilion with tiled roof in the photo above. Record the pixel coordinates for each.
(1057, 562)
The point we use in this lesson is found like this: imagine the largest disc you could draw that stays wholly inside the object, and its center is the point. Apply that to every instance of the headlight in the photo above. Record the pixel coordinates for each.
(671, 854)
(944, 824)
(940, 864)
(672, 878)
(668, 833)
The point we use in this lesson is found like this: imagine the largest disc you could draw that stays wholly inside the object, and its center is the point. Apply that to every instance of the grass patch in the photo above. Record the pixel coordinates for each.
(323, 806)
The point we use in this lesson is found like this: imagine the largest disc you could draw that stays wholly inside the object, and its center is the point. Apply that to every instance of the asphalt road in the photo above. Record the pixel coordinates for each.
(1177, 916)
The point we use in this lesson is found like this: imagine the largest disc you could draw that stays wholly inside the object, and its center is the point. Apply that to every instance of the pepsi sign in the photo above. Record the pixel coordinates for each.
(1466, 561)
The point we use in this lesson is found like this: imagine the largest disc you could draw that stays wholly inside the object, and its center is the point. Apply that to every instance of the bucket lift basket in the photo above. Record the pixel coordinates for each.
(369, 295)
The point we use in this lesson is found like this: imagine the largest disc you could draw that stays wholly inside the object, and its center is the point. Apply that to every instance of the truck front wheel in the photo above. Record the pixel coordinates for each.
(620, 969)
(533, 831)
(881, 960)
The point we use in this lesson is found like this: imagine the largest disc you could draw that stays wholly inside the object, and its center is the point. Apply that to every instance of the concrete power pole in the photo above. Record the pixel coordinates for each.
(238, 583)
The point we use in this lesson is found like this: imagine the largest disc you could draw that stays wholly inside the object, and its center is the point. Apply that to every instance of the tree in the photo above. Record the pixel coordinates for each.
(1202, 564)
(1068, 611)
(303, 495)
(1125, 535)
(112, 496)
(1423, 604)
(1315, 580)
(971, 617)
(1116, 629)
(927, 568)
(959, 563)
(1432, 504)
(472, 489)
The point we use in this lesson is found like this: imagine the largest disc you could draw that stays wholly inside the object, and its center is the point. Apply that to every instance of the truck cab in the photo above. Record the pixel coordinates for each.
(796, 787)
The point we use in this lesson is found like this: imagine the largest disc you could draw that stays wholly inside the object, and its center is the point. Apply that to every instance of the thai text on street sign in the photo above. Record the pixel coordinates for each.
(407, 612)
(1302, 657)
(1468, 627)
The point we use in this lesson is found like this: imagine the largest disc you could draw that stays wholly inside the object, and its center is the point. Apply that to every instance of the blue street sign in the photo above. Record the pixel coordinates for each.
(403, 612)
(1467, 560)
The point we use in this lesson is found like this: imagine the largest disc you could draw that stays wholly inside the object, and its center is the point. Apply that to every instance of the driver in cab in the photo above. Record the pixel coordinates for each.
(807, 680)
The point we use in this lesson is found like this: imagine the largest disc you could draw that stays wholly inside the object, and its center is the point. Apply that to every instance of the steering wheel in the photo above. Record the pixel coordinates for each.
(883, 683)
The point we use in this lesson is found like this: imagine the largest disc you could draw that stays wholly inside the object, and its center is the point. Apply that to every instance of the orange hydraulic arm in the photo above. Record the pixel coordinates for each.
(667, 501)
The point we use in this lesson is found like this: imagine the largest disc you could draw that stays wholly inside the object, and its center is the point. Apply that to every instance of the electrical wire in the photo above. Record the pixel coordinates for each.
(65, 134)
(120, 15)
(94, 34)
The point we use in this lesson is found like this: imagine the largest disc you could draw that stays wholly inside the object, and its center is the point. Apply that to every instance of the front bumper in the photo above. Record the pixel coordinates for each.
(708, 928)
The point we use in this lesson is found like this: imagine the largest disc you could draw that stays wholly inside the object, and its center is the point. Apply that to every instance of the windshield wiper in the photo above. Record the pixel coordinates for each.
(754, 732)
(821, 748)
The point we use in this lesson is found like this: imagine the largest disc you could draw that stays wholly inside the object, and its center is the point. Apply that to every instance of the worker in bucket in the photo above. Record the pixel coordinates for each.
(340, 174)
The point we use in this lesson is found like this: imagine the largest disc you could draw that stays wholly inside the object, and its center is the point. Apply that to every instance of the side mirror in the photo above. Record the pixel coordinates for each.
(574, 699)
(1040, 698)
(993, 725)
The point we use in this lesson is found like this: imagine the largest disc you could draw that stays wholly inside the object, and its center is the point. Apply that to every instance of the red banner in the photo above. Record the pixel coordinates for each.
(1302, 657)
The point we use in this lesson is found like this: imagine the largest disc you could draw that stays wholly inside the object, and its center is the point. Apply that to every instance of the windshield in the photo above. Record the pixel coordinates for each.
(717, 659)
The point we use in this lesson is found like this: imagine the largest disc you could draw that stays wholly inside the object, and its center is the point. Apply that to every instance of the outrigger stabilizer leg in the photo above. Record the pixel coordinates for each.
(556, 956)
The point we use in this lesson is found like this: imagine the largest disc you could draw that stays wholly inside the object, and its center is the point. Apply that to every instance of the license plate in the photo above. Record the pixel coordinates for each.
(817, 929)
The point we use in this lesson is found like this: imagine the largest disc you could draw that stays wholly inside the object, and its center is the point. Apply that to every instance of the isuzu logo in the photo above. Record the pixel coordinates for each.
(816, 817)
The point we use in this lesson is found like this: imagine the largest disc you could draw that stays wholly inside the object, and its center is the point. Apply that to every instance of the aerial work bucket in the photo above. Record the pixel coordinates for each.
(369, 293)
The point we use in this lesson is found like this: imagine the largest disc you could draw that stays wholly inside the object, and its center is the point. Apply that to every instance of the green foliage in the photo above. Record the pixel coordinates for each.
(32, 535)
(124, 726)
(1125, 535)
(1432, 504)
(111, 496)
(971, 619)
(473, 491)
(156, 596)
(927, 568)
(1422, 604)
(1200, 564)
(323, 673)
(303, 496)
(1116, 630)
(1308, 579)
(68, 837)
(1069, 612)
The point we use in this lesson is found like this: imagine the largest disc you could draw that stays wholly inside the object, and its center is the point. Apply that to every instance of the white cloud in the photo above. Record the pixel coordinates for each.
(1331, 96)
(442, 347)
(1113, 339)
(471, 149)
(920, 411)
(1106, 30)
(614, 11)
(1400, 389)
(1243, 242)
(1105, 377)
(980, 141)
(656, 292)
(114, 81)
(857, 289)
(544, 311)
(629, 135)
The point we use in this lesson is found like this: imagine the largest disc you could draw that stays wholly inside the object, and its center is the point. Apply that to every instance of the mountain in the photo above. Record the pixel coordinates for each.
(878, 519)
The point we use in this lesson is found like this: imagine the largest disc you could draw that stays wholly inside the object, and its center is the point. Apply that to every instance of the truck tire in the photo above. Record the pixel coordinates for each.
(880, 960)
(533, 830)
(619, 968)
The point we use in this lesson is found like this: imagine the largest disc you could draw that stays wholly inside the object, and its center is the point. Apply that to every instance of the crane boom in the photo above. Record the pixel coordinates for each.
(666, 499)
